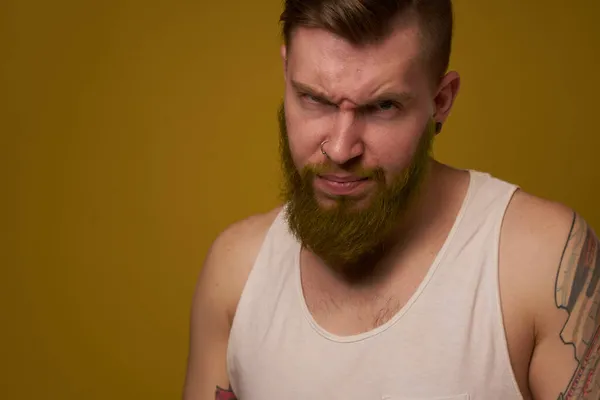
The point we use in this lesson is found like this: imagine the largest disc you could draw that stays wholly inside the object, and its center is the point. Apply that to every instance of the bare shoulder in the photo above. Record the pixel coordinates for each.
(242, 238)
(232, 255)
(534, 236)
(537, 221)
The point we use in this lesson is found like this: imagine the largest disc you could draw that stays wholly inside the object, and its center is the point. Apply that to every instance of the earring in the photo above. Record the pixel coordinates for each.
(438, 127)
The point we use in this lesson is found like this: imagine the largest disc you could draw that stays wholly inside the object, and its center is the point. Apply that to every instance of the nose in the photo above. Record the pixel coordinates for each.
(345, 139)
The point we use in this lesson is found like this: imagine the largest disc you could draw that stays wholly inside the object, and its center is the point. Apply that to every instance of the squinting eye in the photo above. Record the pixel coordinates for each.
(310, 98)
(386, 105)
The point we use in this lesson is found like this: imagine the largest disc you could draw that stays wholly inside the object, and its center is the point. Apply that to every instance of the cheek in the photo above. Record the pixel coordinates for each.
(304, 137)
(296, 150)
(301, 145)
(394, 152)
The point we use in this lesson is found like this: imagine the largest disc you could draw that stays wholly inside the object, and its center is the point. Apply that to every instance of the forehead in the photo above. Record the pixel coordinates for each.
(319, 57)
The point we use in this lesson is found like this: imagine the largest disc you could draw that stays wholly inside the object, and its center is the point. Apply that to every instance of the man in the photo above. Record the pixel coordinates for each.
(386, 274)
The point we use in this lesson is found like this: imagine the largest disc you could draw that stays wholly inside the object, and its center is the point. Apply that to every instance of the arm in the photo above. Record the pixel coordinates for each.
(566, 359)
(209, 328)
(218, 291)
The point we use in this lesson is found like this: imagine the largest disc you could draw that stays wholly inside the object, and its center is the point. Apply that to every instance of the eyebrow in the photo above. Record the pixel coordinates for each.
(399, 97)
(301, 87)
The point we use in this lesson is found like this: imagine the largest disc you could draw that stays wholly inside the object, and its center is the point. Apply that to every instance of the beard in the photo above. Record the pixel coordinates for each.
(350, 238)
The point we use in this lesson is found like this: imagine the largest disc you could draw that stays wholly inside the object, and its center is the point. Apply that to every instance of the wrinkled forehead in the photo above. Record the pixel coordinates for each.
(319, 57)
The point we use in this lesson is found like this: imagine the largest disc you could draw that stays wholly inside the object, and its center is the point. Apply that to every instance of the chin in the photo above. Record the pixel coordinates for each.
(352, 203)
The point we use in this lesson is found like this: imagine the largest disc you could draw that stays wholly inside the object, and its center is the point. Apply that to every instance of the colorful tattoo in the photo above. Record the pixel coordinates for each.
(224, 394)
(578, 292)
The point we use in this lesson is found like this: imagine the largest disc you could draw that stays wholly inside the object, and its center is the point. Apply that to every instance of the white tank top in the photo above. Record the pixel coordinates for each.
(448, 341)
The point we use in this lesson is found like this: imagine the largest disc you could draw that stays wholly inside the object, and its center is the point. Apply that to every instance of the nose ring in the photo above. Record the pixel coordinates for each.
(323, 151)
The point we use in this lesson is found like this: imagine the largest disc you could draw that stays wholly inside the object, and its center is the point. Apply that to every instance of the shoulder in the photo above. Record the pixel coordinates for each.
(238, 240)
(534, 236)
(231, 257)
(537, 220)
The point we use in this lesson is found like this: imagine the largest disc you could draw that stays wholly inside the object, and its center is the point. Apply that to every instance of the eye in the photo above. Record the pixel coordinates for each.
(385, 108)
(387, 105)
(312, 99)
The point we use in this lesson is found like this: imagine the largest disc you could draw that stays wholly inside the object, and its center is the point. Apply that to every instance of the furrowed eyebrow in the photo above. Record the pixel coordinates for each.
(397, 97)
(401, 98)
(301, 87)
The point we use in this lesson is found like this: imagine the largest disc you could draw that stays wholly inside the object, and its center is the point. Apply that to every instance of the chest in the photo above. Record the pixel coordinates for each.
(344, 312)
(347, 311)
(422, 353)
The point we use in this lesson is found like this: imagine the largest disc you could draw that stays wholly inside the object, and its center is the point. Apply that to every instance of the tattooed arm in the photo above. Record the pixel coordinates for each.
(578, 293)
(565, 363)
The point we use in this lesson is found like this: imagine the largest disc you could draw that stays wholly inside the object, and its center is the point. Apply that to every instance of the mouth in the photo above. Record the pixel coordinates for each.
(342, 179)
(340, 185)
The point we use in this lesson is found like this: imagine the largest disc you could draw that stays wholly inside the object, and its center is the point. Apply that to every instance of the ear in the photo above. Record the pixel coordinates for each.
(283, 53)
(444, 99)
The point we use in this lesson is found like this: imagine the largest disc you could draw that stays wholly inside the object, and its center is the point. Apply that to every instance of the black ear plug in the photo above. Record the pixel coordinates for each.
(438, 127)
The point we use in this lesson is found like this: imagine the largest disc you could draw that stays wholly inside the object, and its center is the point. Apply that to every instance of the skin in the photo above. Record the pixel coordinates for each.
(548, 266)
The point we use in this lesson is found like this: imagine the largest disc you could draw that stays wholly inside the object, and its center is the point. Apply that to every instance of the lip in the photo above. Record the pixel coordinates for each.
(342, 178)
(340, 185)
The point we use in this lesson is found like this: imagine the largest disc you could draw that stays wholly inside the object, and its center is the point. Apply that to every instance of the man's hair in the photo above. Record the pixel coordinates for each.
(364, 22)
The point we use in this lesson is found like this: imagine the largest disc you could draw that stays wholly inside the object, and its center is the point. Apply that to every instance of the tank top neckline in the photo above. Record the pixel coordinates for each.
(473, 175)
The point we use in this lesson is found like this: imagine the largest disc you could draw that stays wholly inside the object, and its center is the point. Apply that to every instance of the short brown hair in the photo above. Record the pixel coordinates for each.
(366, 21)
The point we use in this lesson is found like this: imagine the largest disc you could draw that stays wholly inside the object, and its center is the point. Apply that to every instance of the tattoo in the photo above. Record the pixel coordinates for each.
(578, 292)
(224, 394)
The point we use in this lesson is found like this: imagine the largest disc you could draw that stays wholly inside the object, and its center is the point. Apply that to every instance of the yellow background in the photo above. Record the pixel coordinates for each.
(132, 132)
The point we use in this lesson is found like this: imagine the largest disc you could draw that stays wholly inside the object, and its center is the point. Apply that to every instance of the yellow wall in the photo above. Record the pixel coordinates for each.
(133, 132)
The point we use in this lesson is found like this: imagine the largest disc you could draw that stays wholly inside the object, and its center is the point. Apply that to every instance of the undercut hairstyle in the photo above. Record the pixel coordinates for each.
(364, 22)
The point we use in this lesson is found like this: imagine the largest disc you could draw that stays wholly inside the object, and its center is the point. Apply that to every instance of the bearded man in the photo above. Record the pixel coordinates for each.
(386, 274)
